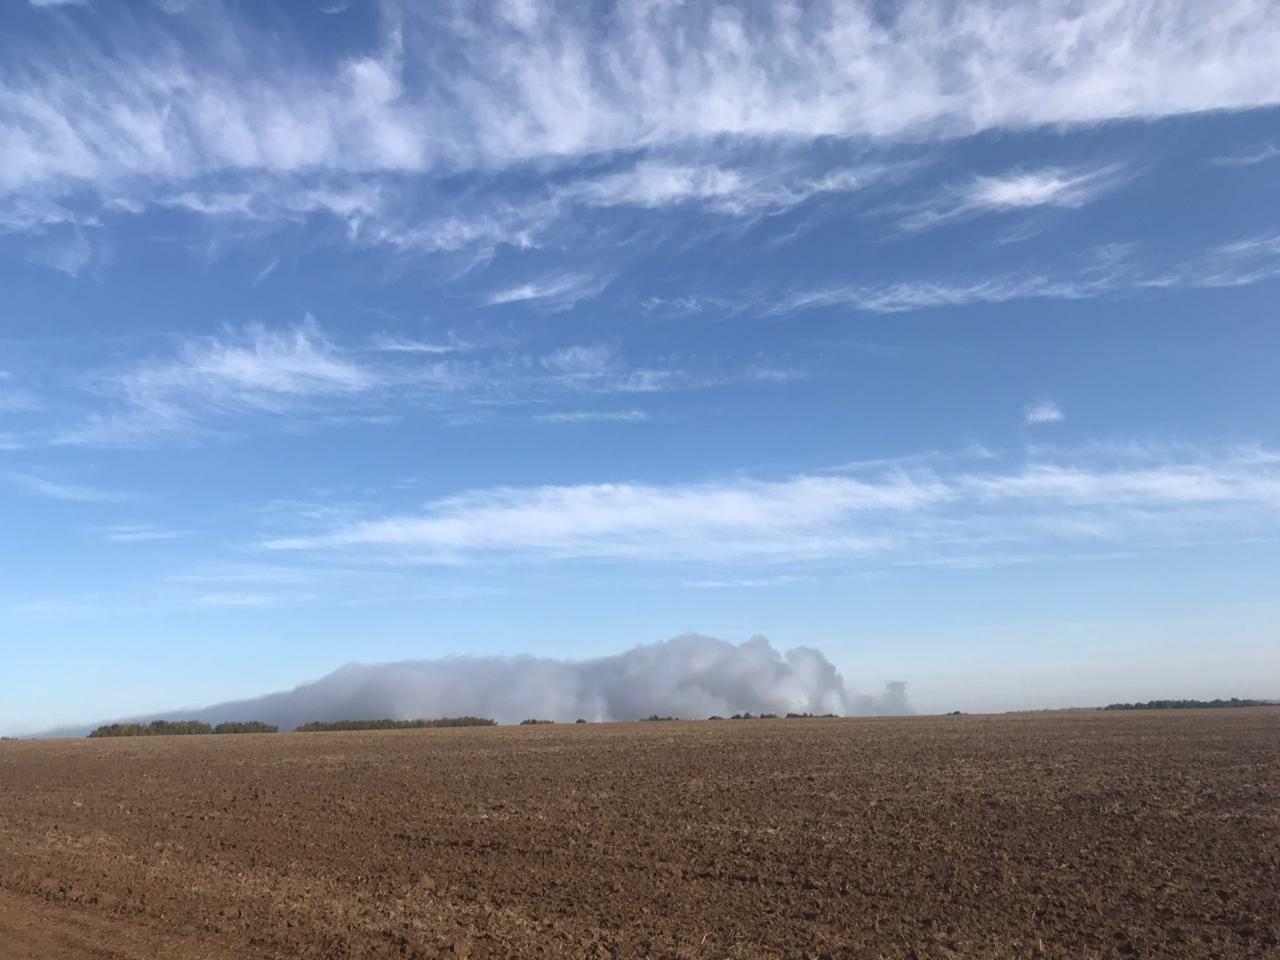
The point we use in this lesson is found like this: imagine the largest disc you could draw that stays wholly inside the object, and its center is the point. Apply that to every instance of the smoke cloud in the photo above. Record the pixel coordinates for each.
(690, 676)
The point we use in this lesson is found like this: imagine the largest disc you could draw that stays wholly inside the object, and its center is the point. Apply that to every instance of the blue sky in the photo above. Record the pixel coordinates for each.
(941, 339)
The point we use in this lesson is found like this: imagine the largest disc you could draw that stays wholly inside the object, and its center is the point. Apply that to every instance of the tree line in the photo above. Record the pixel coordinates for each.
(341, 725)
(1189, 704)
(171, 728)
(178, 728)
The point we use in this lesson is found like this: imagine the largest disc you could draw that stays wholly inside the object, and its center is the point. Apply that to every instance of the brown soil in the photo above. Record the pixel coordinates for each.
(1072, 835)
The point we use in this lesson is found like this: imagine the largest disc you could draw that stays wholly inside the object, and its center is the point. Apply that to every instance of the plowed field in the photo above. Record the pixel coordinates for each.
(1082, 835)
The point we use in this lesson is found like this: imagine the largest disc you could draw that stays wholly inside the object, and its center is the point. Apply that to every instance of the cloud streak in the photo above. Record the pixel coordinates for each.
(556, 292)
(574, 417)
(1113, 270)
(1051, 187)
(805, 519)
(72, 492)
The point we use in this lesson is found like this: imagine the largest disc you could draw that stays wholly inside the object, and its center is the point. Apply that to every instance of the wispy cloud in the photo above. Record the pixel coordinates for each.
(255, 369)
(389, 343)
(73, 492)
(1237, 264)
(1248, 158)
(723, 109)
(133, 102)
(781, 580)
(734, 192)
(1042, 411)
(746, 520)
(1111, 270)
(15, 399)
(903, 516)
(593, 416)
(230, 599)
(267, 270)
(581, 362)
(1014, 192)
(211, 386)
(139, 533)
(555, 292)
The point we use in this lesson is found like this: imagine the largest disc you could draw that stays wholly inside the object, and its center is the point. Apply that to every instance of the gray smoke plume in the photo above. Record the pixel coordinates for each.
(690, 676)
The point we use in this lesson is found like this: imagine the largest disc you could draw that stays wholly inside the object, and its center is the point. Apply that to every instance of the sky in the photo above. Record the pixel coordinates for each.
(941, 338)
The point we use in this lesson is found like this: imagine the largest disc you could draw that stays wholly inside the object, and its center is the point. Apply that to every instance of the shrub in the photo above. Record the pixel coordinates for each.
(654, 717)
(579, 720)
(318, 726)
(531, 722)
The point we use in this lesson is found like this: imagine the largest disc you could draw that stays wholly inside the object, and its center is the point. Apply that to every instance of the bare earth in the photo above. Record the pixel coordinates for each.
(1070, 835)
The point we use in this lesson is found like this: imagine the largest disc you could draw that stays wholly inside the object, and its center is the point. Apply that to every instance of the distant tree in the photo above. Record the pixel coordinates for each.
(654, 717)
(1190, 704)
(345, 725)
(156, 728)
(531, 722)
(579, 720)
(252, 726)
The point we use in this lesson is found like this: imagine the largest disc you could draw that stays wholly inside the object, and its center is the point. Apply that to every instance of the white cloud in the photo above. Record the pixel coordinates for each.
(1243, 262)
(593, 416)
(446, 89)
(76, 493)
(139, 533)
(234, 600)
(207, 384)
(554, 292)
(261, 368)
(1015, 192)
(923, 294)
(963, 519)
(1114, 269)
(780, 580)
(267, 270)
(1248, 158)
(17, 399)
(653, 184)
(581, 362)
(1042, 411)
(389, 343)
(256, 369)
(744, 520)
